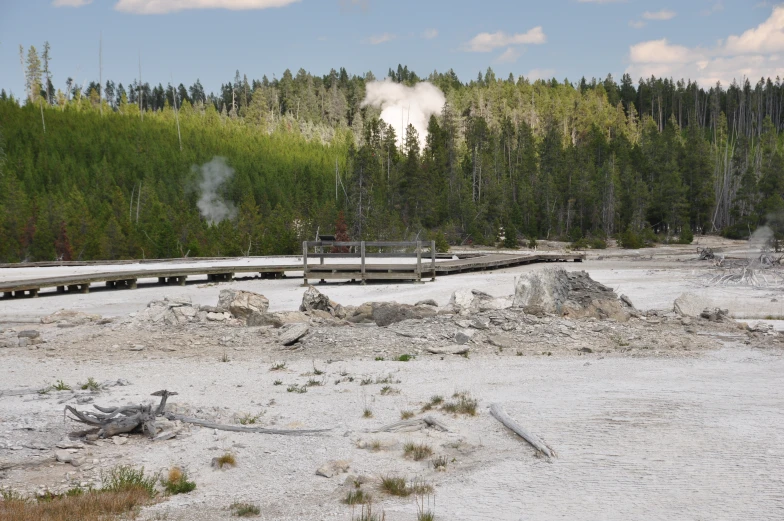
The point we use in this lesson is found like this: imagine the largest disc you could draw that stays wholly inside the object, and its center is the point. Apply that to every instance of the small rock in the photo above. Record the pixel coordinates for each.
(502, 341)
(217, 317)
(292, 333)
(119, 441)
(68, 444)
(427, 302)
(63, 456)
(332, 468)
(585, 350)
(136, 348)
(464, 337)
(480, 323)
(29, 333)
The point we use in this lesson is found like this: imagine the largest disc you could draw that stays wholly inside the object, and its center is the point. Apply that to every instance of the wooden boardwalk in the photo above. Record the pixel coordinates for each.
(129, 279)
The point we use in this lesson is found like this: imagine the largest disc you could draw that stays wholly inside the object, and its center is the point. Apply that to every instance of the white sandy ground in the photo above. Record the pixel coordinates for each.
(641, 438)
(695, 436)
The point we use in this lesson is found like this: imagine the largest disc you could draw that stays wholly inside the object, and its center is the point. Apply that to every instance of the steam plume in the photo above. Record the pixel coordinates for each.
(401, 105)
(211, 176)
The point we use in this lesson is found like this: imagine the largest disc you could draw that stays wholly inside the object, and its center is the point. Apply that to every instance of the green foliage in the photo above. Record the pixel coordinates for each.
(177, 482)
(604, 161)
(245, 510)
(687, 236)
(125, 478)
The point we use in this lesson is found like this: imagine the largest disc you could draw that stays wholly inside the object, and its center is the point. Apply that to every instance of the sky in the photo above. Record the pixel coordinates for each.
(179, 41)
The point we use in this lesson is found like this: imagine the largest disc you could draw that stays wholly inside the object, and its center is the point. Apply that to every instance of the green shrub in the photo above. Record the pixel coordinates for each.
(687, 236)
(125, 478)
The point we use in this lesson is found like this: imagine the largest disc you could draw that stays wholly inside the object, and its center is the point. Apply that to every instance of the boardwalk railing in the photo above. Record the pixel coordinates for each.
(364, 250)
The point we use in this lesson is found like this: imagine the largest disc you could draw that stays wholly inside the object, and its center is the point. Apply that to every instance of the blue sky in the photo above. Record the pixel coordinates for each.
(707, 40)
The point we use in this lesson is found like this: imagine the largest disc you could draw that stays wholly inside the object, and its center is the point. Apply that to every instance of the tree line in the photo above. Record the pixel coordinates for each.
(106, 171)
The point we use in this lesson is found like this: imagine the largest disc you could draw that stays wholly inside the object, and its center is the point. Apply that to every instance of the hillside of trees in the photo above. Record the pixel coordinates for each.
(111, 171)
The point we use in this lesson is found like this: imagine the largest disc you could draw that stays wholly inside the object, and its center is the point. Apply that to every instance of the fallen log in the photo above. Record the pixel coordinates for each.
(129, 418)
(240, 428)
(498, 412)
(416, 424)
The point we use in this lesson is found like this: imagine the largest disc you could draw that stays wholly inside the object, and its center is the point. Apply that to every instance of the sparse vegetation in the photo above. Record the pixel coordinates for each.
(366, 514)
(367, 413)
(317, 371)
(249, 419)
(406, 415)
(90, 385)
(417, 451)
(225, 358)
(294, 388)
(440, 462)
(245, 510)
(379, 359)
(366, 381)
(395, 486)
(424, 511)
(357, 497)
(176, 482)
(434, 401)
(405, 358)
(280, 366)
(61, 386)
(314, 383)
(387, 390)
(277, 382)
(462, 403)
(375, 445)
(125, 478)
(389, 379)
(227, 460)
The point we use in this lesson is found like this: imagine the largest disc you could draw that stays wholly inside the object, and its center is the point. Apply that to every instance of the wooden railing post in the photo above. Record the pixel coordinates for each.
(305, 262)
(419, 261)
(362, 254)
(433, 258)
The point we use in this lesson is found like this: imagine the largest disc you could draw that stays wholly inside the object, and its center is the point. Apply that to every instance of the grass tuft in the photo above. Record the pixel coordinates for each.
(225, 358)
(277, 382)
(440, 462)
(177, 482)
(417, 451)
(462, 403)
(406, 415)
(61, 386)
(280, 366)
(294, 388)
(388, 389)
(405, 358)
(367, 413)
(125, 478)
(249, 419)
(357, 497)
(90, 385)
(314, 383)
(395, 486)
(227, 460)
(245, 510)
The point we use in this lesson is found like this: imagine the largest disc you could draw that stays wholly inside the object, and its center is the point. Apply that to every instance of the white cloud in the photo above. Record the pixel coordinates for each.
(540, 74)
(754, 54)
(71, 3)
(429, 34)
(510, 55)
(486, 42)
(380, 38)
(637, 24)
(662, 15)
(766, 37)
(171, 6)
(660, 51)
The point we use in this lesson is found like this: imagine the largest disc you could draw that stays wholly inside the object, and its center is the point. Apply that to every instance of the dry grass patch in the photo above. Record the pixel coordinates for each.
(406, 415)
(417, 451)
(395, 486)
(245, 510)
(125, 490)
(227, 460)
(462, 403)
(357, 497)
(177, 482)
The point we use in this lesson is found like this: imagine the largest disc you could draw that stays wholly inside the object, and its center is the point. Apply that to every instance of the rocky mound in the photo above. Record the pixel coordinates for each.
(571, 294)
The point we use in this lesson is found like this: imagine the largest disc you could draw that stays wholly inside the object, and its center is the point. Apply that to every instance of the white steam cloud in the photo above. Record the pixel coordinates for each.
(402, 105)
(211, 176)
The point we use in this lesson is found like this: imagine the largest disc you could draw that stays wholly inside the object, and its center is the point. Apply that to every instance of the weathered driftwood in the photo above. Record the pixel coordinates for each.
(241, 428)
(416, 424)
(117, 420)
(498, 412)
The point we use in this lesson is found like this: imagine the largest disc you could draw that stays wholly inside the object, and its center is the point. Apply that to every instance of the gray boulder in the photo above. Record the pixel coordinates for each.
(386, 313)
(243, 305)
(292, 333)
